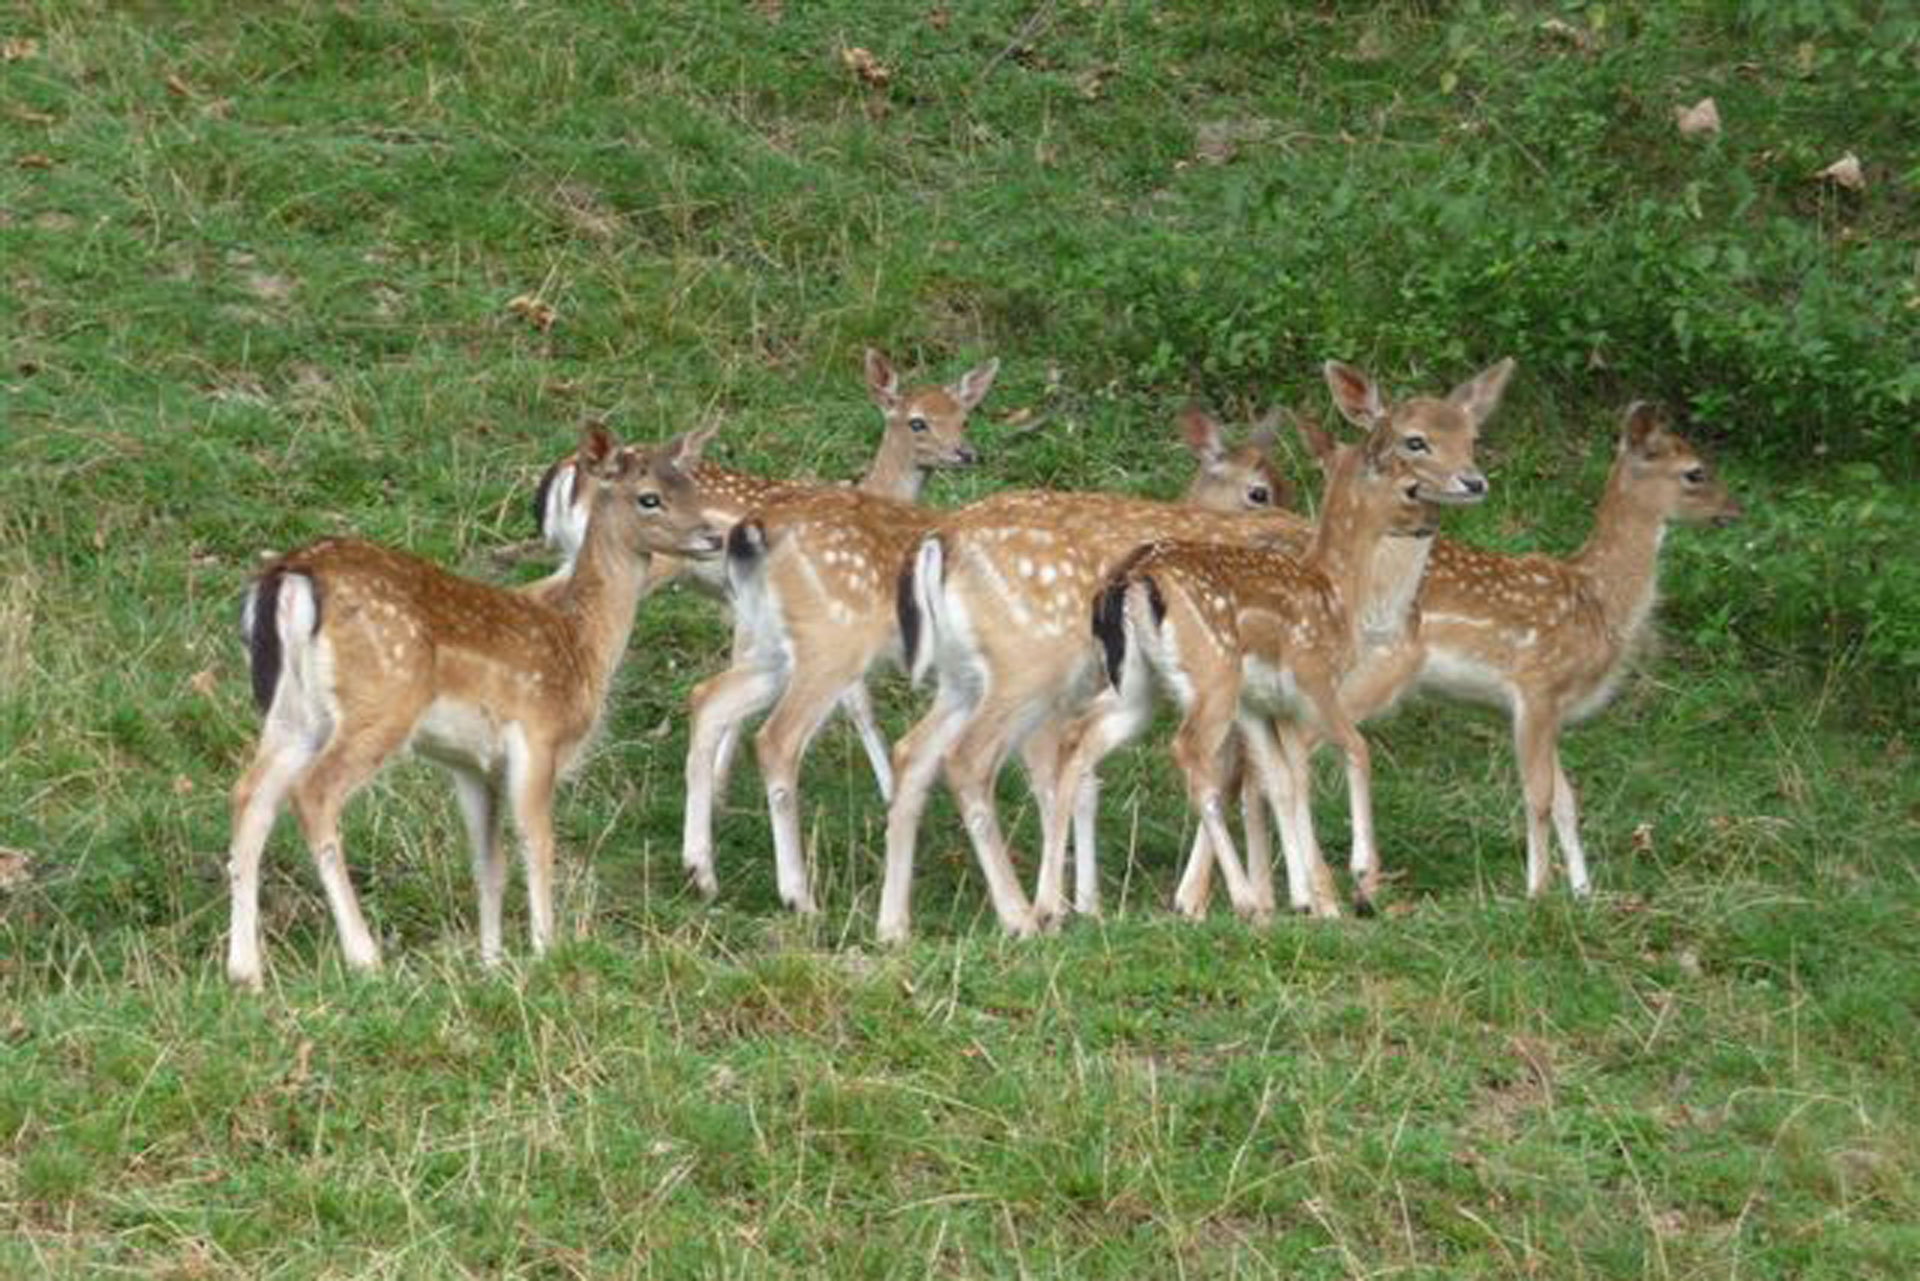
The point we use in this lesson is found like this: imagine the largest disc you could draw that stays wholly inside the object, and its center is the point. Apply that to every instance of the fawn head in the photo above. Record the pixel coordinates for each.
(650, 493)
(1670, 472)
(1436, 435)
(1398, 478)
(1234, 477)
(933, 420)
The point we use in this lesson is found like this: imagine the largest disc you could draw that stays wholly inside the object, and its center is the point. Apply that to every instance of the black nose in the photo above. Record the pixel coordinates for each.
(1474, 484)
(966, 455)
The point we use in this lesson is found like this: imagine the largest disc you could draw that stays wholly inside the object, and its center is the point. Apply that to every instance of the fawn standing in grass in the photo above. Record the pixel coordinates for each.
(925, 431)
(997, 604)
(358, 651)
(814, 576)
(1239, 634)
(1547, 639)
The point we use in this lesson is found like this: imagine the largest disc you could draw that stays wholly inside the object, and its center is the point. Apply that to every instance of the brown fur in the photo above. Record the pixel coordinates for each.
(1020, 572)
(503, 687)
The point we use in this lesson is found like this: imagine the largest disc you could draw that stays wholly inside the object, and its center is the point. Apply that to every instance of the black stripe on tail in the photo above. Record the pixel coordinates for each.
(1110, 611)
(265, 657)
(263, 642)
(746, 542)
(540, 498)
(906, 610)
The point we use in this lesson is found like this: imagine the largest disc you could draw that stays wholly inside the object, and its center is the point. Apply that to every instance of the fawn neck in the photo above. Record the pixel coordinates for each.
(604, 592)
(894, 473)
(1353, 522)
(1621, 556)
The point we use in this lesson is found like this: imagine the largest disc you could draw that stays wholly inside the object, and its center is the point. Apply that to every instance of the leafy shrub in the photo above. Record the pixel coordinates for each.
(1823, 573)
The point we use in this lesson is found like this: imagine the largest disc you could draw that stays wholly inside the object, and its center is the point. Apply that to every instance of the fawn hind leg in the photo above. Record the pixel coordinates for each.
(351, 756)
(281, 756)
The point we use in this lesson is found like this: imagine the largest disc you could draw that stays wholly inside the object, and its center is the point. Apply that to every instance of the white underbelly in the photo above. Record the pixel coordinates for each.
(1459, 677)
(1268, 689)
(460, 734)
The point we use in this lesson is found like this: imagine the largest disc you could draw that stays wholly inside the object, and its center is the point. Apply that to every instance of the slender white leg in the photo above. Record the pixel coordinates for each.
(1315, 878)
(719, 706)
(479, 811)
(530, 779)
(782, 745)
(256, 803)
(1114, 718)
(1566, 826)
(1195, 888)
(356, 940)
(917, 759)
(1086, 863)
(858, 704)
(1254, 834)
(1534, 750)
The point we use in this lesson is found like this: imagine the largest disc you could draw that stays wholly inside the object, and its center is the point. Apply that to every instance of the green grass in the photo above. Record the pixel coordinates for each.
(256, 269)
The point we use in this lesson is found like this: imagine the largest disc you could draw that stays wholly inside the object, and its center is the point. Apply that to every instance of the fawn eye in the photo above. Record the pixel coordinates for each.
(1416, 444)
(648, 500)
(1695, 475)
(917, 423)
(1259, 496)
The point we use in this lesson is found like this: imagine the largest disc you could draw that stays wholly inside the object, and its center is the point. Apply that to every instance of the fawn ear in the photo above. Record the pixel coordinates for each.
(1355, 395)
(882, 381)
(598, 449)
(975, 384)
(1266, 430)
(1318, 440)
(1480, 395)
(1641, 428)
(694, 444)
(683, 451)
(1201, 431)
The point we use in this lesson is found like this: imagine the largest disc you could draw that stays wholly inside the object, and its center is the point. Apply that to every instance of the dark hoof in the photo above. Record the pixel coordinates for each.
(1364, 909)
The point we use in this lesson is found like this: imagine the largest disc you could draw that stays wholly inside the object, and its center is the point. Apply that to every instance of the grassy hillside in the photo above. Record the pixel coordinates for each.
(260, 270)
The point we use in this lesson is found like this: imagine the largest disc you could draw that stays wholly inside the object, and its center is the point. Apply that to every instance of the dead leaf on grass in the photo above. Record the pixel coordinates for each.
(15, 869)
(1218, 141)
(1845, 172)
(1642, 839)
(869, 69)
(203, 682)
(18, 48)
(182, 785)
(1538, 1057)
(938, 17)
(1701, 120)
(178, 87)
(35, 160)
(534, 311)
(309, 383)
(586, 211)
(1562, 30)
(268, 287)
